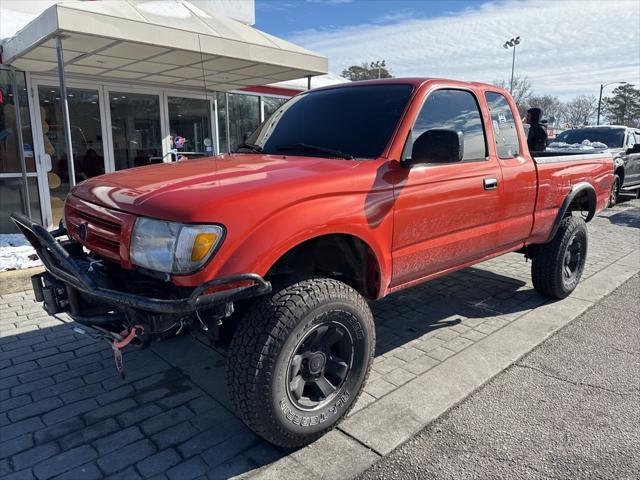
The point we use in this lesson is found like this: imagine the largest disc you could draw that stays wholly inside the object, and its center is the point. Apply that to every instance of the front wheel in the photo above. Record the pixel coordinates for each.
(557, 266)
(298, 360)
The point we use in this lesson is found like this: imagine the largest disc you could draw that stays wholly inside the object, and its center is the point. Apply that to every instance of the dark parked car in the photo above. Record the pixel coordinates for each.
(624, 143)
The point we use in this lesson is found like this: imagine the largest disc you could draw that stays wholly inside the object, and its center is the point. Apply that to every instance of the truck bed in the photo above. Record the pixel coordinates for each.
(557, 175)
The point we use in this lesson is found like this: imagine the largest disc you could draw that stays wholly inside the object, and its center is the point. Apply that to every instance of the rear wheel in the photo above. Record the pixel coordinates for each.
(299, 359)
(557, 266)
(615, 191)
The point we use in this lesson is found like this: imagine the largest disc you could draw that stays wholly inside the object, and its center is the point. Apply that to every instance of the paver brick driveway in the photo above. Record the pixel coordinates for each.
(64, 412)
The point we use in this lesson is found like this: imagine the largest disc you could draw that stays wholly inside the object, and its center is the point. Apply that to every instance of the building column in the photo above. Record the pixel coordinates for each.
(65, 112)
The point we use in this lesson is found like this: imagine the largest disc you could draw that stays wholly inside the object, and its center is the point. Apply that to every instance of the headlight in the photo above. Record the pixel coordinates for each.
(173, 247)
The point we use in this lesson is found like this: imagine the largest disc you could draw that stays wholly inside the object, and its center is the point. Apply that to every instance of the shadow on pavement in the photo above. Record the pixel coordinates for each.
(64, 411)
(626, 218)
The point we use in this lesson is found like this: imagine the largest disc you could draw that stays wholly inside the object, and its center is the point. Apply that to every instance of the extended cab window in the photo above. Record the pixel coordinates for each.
(454, 110)
(504, 125)
(352, 121)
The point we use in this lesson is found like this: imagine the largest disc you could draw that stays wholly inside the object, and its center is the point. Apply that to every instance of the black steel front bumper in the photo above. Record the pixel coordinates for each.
(64, 269)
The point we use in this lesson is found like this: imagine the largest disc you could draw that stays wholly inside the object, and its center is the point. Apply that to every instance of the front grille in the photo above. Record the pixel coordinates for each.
(102, 228)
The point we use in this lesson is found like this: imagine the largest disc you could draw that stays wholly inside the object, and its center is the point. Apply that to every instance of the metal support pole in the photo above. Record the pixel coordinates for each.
(226, 108)
(308, 82)
(64, 103)
(513, 66)
(23, 164)
(599, 104)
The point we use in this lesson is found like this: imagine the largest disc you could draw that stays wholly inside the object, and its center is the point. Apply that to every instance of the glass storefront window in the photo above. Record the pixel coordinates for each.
(244, 115)
(12, 195)
(16, 192)
(189, 118)
(271, 104)
(135, 126)
(9, 153)
(86, 140)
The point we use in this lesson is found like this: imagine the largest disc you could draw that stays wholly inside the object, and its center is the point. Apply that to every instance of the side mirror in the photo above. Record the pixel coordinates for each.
(634, 149)
(437, 146)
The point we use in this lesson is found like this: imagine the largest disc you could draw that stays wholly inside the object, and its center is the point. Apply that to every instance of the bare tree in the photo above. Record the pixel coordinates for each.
(553, 109)
(580, 110)
(522, 92)
(366, 71)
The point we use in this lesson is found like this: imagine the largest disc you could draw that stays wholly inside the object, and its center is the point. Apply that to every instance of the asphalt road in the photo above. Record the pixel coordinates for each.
(570, 409)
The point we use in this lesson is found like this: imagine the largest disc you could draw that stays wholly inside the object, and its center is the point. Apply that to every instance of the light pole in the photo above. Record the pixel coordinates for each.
(602, 85)
(379, 65)
(512, 44)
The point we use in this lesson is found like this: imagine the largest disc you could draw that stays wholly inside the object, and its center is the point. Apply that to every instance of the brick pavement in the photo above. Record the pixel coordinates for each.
(65, 414)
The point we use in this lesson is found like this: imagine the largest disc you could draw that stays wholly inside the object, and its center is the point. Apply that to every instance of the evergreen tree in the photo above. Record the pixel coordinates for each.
(623, 107)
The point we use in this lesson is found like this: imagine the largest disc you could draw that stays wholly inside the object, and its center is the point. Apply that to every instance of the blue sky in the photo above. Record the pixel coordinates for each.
(287, 17)
(568, 47)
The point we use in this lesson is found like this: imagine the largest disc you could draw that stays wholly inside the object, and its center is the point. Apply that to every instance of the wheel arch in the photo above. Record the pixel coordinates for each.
(342, 256)
(582, 197)
(619, 170)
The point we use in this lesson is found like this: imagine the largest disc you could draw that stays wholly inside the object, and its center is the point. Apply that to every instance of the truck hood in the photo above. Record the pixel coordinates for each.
(187, 190)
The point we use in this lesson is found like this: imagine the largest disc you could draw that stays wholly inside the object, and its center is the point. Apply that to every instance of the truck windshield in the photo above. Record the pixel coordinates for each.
(349, 122)
(611, 137)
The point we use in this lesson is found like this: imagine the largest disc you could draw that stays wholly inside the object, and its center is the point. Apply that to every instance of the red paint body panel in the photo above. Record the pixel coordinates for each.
(555, 182)
(420, 222)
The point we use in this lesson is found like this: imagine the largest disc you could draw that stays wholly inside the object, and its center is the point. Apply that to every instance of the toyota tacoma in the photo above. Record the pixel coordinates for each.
(344, 195)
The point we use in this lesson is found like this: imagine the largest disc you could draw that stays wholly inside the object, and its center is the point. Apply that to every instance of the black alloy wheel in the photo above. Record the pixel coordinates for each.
(319, 366)
(572, 259)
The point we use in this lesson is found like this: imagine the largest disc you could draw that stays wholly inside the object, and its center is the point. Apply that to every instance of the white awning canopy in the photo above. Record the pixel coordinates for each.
(179, 45)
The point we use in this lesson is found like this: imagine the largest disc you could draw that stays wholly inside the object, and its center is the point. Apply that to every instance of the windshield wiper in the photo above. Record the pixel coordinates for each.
(317, 148)
(250, 146)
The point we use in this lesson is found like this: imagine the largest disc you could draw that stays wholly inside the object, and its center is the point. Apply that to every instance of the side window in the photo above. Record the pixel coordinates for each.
(631, 140)
(504, 125)
(455, 110)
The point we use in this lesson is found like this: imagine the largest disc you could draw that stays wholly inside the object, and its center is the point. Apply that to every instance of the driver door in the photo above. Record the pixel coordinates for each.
(447, 214)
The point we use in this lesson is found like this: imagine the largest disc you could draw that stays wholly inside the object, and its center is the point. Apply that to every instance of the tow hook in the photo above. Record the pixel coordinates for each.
(126, 337)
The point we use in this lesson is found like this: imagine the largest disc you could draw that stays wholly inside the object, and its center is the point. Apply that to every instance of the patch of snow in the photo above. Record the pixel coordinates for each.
(16, 253)
(585, 146)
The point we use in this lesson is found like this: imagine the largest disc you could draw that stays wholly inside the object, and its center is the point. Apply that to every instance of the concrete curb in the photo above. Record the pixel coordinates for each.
(364, 437)
(13, 281)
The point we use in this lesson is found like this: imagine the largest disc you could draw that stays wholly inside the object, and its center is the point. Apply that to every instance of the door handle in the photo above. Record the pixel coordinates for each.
(490, 183)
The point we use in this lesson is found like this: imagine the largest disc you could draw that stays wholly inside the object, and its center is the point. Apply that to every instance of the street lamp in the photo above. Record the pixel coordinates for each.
(512, 44)
(379, 65)
(602, 85)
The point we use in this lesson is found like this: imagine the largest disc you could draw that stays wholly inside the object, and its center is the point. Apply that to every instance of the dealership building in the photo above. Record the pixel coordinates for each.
(94, 87)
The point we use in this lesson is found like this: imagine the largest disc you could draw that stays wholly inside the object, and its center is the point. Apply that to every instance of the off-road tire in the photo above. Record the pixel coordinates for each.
(548, 260)
(267, 339)
(615, 191)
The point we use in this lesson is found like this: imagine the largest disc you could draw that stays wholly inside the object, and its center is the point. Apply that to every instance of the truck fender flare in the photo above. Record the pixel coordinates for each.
(576, 190)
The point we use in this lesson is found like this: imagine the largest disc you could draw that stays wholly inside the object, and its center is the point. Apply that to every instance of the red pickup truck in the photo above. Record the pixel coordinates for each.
(345, 194)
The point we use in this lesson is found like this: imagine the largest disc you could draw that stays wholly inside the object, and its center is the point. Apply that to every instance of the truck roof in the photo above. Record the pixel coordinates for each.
(415, 81)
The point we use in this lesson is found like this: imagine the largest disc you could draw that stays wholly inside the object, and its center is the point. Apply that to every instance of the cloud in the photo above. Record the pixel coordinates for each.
(330, 2)
(568, 48)
(395, 16)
